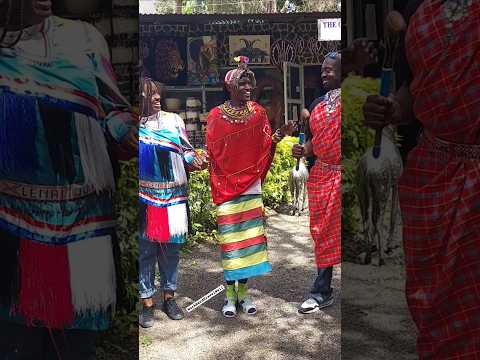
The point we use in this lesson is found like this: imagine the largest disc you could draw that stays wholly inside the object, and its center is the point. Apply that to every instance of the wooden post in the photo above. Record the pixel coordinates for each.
(273, 6)
(178, 7)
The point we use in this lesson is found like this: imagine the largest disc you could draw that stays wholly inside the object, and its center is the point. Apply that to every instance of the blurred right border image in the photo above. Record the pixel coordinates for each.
(411, 185)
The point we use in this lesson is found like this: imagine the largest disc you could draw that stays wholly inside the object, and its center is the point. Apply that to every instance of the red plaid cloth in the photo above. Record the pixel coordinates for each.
(324, 185)
(440, 191)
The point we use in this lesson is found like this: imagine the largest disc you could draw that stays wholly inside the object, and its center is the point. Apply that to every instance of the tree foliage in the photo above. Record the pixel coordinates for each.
(243, 6)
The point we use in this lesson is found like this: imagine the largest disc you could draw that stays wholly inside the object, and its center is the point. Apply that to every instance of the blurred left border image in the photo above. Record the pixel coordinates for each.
(68, 179)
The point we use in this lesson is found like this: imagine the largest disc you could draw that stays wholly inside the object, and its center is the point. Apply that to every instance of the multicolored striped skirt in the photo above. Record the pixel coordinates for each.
(242, 238)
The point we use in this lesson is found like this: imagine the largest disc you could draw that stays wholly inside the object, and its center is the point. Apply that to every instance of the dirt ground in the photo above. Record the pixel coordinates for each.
(376, 323)
(277, 332)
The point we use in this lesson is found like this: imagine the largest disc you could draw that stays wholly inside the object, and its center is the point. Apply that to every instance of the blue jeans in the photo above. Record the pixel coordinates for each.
(322, 287)
(167, 256)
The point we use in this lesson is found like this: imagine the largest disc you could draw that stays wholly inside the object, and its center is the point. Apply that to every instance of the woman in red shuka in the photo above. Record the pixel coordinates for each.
(241, 148)
(440, 187)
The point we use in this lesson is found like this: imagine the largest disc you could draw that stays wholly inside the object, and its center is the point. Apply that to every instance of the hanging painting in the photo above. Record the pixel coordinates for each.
(165, 60)
(202, 60)
(255, 47)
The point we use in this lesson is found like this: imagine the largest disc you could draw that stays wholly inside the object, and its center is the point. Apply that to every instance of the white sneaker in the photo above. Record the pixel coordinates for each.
(309, 306)
(229, 309)
(248, 307)
(312, 305)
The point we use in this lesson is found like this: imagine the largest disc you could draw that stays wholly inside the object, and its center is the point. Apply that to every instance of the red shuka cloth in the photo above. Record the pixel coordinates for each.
(240, 154)
(45, 293)
(324, 185)
(440, 193)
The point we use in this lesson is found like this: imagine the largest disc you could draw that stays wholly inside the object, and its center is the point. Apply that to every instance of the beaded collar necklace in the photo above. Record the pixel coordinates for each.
(332, 99)
(237, 116)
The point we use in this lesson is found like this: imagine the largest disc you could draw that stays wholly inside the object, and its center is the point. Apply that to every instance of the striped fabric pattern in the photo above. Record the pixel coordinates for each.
(163, 151)
(56, 210)
(242, 238)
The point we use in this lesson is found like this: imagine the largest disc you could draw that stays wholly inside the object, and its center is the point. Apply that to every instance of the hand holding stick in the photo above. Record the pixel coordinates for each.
(305, 115)
(394, 25)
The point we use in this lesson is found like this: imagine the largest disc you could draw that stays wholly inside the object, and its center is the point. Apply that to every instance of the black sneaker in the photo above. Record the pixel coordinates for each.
(172, 310)
(146, 317)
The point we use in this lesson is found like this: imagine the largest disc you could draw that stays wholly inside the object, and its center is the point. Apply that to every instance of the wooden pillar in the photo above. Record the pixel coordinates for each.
(178, 6)
(270, 6)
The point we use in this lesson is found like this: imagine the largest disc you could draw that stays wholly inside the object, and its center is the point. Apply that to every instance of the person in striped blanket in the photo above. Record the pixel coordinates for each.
(240, 148)
(165, 156)
(60, 112)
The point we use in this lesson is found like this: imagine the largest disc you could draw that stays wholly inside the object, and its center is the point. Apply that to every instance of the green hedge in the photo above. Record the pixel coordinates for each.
(356, 139)
(121, 341)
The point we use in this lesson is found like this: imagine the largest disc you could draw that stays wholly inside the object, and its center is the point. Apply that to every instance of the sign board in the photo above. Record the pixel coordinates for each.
(330, 29)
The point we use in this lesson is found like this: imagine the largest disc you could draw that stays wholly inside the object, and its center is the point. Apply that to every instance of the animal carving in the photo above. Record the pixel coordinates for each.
(272, 102)
(256, 55)
(168, 61)
(377, 189)
(208, 54)
(204, 56)
(298, 188)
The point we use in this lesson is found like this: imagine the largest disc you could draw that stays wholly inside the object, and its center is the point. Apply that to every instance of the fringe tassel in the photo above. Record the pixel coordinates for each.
(178, 220)
(178, 168)
(146, 161)
(9, 269)
(157, 224)
(19, 127)
(92, 144)
(164, 165)
(92, 275)
(58, 129)
(45, 293)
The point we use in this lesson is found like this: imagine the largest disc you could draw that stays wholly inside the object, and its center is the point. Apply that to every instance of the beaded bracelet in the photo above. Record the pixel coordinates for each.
(276, 138)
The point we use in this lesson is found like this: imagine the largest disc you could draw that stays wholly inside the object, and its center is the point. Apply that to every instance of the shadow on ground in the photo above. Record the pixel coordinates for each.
(276, 332)
(377, 324)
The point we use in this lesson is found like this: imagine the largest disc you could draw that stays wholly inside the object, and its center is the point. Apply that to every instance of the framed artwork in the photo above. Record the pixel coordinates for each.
(202, 54)
(165, 59)
(255, 47)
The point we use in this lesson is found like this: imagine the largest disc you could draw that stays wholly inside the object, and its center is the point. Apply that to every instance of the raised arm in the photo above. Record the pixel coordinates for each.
(121, 123)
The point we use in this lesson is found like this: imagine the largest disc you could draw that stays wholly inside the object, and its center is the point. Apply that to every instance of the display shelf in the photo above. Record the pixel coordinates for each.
(210, 96)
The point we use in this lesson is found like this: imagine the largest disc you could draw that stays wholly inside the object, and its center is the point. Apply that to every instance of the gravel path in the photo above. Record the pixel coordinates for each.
(377, 324)
(277, 332)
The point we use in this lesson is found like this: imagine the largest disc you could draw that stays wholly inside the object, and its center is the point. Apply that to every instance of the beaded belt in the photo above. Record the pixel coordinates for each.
(463, 151)
(158, 185)
(45, 193)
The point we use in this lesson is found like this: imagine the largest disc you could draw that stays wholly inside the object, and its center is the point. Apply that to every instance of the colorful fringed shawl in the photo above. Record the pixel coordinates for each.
(56, 178)
(164, 153)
